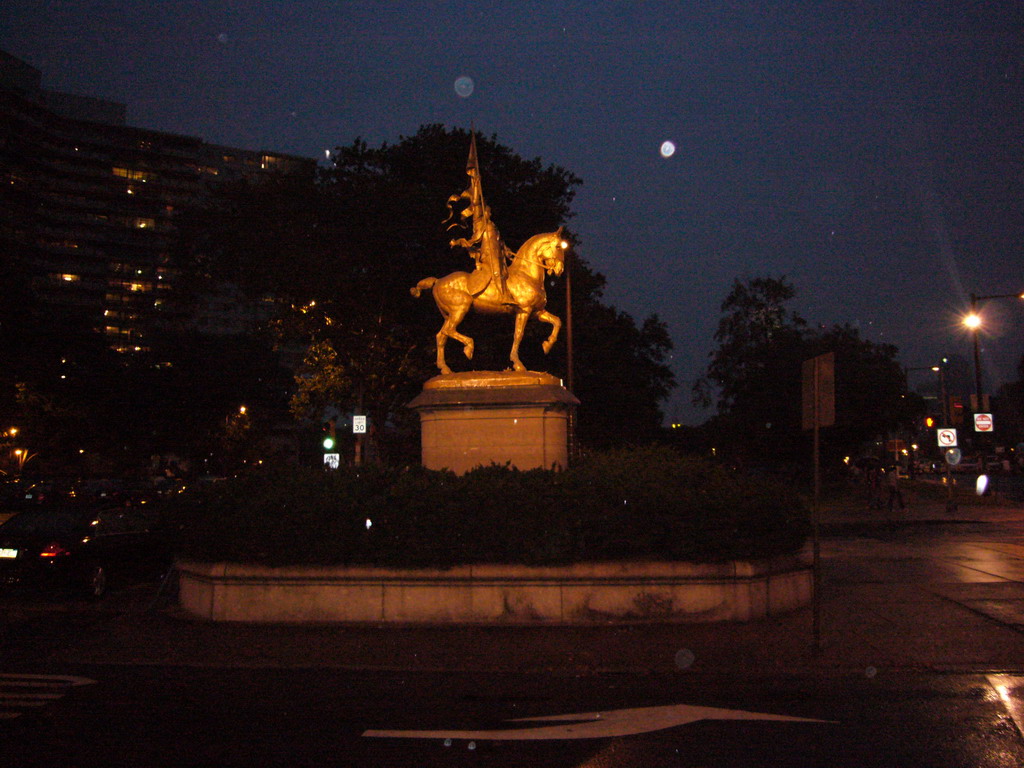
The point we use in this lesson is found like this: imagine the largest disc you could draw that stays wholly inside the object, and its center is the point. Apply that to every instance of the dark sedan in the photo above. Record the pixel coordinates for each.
(82, 548)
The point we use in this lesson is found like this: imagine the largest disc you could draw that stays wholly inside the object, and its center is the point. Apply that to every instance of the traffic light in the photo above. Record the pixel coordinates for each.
(329, 437)
(956, 410)
(929, 422)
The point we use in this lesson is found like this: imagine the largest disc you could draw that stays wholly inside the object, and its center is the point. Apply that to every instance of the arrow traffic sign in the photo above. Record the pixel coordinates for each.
(947, 438)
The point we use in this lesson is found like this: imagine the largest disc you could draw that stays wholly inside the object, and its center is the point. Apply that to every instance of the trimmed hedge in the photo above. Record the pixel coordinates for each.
(646, 503)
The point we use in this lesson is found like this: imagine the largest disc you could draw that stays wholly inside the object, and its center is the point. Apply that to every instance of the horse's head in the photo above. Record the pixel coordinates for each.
(547, 250)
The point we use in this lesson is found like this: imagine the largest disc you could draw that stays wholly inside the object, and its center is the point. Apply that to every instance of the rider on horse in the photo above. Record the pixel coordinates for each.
(490, 253)
(485, 244)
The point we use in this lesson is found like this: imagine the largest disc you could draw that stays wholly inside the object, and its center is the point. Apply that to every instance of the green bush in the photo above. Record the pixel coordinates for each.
(646, 503)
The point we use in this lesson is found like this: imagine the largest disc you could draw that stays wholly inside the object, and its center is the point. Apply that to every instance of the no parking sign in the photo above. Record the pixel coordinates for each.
(947, 438)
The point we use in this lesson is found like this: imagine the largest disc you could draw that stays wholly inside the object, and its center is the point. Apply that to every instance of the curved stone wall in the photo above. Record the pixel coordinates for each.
(580, 593)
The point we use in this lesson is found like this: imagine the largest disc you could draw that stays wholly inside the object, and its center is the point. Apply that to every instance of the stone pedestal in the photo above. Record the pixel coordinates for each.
(475, 419)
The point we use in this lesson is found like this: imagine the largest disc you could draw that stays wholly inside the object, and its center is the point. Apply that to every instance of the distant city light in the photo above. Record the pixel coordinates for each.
(464, 86)
(667, 149)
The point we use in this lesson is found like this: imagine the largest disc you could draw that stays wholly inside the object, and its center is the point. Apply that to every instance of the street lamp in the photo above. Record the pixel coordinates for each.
(973, 323)
(569, 367)
(22, 457)
(942, 385)
(944, 400)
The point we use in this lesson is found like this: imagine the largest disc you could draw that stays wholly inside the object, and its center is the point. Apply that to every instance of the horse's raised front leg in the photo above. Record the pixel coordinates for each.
(556, 324)
(521, 318)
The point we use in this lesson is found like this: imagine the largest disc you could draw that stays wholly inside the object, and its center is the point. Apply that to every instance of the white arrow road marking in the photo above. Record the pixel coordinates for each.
(1011, 692)
(598, 725)
(19, 691)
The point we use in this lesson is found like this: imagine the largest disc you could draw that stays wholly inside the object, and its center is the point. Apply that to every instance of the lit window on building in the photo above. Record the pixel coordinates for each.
(132, 173)
(127, 349)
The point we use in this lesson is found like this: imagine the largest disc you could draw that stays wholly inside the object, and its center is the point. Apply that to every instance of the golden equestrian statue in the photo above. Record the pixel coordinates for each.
(495, 286)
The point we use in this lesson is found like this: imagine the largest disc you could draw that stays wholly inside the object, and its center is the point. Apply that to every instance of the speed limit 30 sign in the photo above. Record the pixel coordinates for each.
(947, 438)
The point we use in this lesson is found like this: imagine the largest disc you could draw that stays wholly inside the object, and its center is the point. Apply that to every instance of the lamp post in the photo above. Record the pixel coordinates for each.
(940, 394)
(570, 369)
(941, 370)
(944, 401)
(21, 458)
(974, 323)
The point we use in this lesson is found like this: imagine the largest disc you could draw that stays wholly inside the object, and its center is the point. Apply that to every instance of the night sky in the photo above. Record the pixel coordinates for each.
(873, 153)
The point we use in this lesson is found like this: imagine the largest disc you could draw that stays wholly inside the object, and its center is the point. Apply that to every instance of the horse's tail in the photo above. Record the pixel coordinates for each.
(423, 285)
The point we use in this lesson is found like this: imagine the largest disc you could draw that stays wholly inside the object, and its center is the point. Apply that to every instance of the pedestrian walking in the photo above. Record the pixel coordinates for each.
(892, 481)
(874, 482)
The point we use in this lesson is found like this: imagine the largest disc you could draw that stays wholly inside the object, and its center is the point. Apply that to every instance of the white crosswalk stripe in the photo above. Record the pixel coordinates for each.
(20, 692)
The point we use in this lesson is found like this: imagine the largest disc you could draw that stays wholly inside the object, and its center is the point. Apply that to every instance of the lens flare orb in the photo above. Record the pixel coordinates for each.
(464, 86)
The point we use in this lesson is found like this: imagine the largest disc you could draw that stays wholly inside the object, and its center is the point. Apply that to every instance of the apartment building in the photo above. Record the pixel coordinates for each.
(88, 203)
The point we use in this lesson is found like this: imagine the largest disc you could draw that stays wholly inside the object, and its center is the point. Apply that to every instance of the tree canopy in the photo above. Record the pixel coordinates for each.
(756, 374)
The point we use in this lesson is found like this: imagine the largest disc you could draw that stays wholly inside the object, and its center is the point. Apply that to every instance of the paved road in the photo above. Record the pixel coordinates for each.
(162, 716)
(922, 665)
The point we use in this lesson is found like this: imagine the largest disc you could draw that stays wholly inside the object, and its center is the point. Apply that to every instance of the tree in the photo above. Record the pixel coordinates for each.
(756, 372)
(1009, 410)
(755, 327)
(871, 394)
(621, 374)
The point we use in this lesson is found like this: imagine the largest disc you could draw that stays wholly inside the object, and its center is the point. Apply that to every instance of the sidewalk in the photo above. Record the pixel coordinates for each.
(911, 596)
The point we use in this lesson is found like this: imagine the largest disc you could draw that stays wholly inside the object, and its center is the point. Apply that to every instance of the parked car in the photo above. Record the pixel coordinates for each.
(82, 548)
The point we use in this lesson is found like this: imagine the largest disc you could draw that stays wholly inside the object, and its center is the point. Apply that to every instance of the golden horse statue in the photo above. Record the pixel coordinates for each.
(541, 254)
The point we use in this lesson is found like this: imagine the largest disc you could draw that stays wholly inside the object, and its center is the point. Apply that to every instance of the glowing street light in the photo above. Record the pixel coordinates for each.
(973, 322)
(22, 457)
